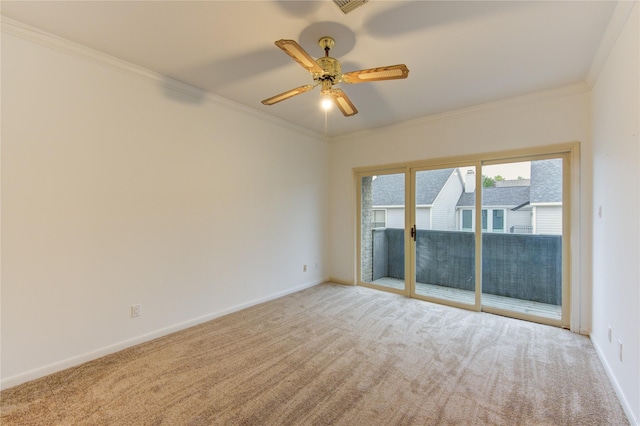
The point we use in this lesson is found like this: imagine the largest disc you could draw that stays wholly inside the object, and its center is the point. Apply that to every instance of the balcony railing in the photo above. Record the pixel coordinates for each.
(520, 266)
(521, 229)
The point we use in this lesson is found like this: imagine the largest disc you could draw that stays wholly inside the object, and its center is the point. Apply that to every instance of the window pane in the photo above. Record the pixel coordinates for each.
(382, 233)
(484, 220)
(498, 220)
(522, 269)
(445, 249)
(467, 219)
(379, 219)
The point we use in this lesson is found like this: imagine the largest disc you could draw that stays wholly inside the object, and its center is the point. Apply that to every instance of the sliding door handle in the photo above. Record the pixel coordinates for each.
(413, 232)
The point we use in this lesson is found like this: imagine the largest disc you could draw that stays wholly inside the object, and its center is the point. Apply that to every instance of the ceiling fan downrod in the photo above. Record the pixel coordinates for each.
(330, 66)
(327, 44)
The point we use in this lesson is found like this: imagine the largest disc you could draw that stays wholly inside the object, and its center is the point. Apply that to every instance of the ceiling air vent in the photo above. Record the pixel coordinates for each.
(348, 5)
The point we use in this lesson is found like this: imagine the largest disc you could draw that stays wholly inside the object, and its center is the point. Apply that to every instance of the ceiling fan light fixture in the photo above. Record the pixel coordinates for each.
(347, 6)
(326, 71)
(326, 103)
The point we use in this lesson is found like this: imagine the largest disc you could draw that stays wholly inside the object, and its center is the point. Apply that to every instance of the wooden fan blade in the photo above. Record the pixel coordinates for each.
(288, 94)
(293, 49)
(343, 103)
(376, 74)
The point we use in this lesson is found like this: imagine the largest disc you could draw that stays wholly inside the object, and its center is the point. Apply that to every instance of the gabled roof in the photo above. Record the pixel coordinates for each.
(546, 181)
(388, 190)
(546, 187)
(497, 196)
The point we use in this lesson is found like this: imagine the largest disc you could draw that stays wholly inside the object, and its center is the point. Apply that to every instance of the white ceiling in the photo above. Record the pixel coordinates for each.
(459, 53)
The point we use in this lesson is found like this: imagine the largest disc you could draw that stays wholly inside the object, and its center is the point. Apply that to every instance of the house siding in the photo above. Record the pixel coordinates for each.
(423, 217)
(444, 207)
(548, 220)
(395, 217)
(518, 218)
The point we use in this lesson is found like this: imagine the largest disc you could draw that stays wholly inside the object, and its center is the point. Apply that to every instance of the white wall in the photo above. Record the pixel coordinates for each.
(616, 233)
(119, 190)
(547, 118)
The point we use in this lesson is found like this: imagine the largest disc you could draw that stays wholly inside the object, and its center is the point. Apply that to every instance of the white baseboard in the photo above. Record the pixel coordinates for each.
(90, 356)
(339, 281)
(616, 386)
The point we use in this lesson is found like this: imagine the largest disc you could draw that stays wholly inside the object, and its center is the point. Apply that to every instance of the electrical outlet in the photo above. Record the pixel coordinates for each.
(135, 311)
(304, 268)
(609, 333)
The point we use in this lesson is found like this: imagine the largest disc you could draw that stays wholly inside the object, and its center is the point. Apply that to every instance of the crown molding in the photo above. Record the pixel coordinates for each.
(46, 39)
(505, 103)
(612, 32)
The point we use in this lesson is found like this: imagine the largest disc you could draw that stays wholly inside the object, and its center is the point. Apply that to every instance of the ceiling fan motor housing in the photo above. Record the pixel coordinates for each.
(331, 69)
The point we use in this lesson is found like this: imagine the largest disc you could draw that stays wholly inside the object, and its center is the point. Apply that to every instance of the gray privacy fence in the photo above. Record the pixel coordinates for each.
(527, 267)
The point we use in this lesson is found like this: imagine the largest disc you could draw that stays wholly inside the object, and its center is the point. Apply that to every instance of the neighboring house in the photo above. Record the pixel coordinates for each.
(526, 206)
(437, 192)
(505, 209)
(445, 200)
(546, 196)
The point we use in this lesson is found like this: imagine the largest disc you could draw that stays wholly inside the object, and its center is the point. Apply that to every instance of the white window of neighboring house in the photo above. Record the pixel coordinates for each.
(498, 220)
(467, 220)
(492, 220)
(379, 218)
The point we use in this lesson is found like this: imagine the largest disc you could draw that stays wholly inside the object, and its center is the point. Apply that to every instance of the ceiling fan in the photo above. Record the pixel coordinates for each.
(326, 71)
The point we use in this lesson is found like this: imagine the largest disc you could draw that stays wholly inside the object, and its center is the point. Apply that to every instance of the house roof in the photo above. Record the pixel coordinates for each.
(546, 187)
(497, 196)
(546, 181)
(388, 189)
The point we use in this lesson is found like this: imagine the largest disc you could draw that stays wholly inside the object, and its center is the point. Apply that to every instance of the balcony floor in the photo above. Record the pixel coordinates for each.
(468, 297)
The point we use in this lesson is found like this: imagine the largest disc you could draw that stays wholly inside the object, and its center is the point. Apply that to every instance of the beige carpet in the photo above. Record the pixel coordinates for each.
(334, 354)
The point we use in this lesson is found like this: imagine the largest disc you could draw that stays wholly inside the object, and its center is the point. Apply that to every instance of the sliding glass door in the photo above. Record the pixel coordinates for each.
(443, 244)
(486, 235)
(522, 237)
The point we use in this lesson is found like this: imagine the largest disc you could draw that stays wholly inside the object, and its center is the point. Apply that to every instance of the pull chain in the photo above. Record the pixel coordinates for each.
(326, 124)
